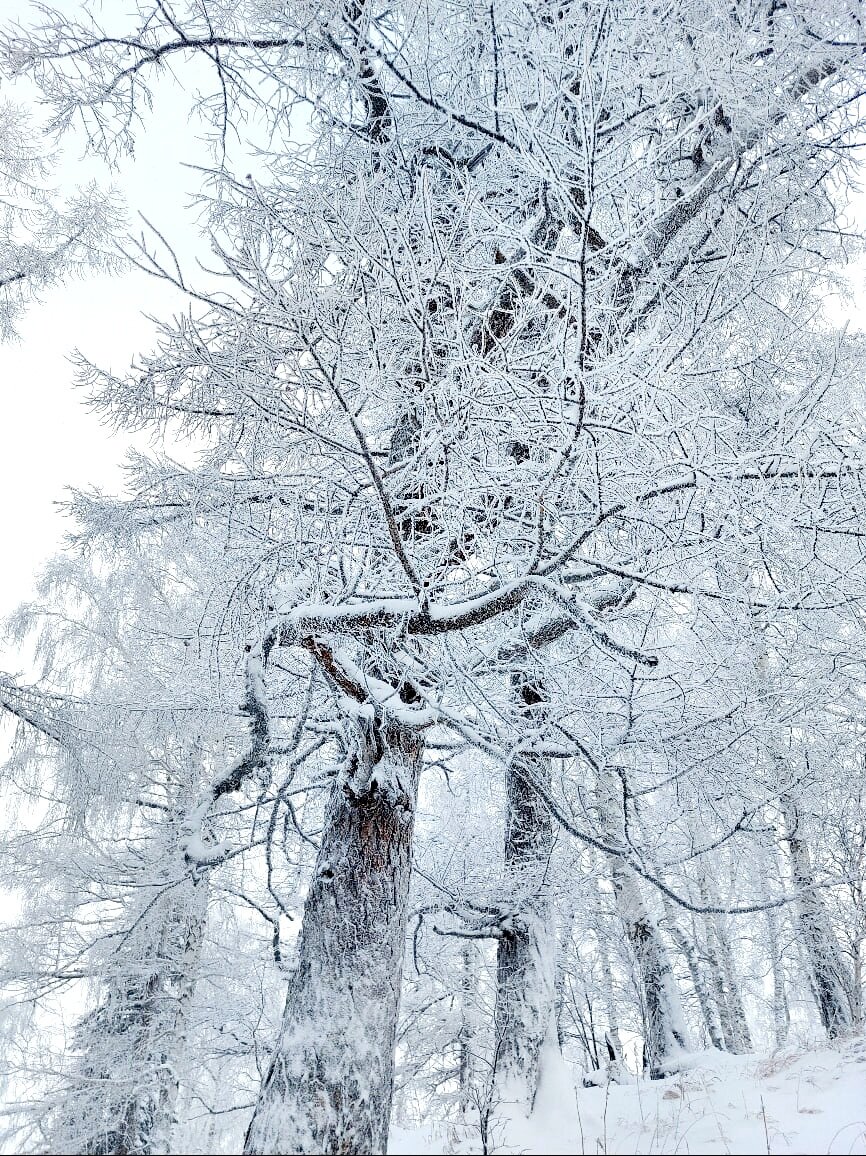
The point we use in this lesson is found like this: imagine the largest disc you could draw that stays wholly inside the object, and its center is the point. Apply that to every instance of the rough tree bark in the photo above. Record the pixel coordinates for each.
(563, 944)
(723, 980)
(831, 983)
(525, 1012)
(741, 1040)
(689, 951)
(664, 1023)
(330, 1082)
(781, 1007)
(466, 1034)
(613, 1040)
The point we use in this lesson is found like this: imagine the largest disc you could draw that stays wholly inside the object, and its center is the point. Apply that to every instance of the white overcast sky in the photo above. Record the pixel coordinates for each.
(48, 438)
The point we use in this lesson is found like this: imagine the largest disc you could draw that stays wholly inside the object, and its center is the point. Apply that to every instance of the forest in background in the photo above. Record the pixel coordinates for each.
(465, 696)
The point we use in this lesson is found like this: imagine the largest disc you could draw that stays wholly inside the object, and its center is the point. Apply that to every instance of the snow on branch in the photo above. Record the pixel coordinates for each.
(197, 850)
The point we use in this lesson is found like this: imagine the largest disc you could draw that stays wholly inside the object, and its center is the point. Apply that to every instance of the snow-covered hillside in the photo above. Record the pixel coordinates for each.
(793, 1101)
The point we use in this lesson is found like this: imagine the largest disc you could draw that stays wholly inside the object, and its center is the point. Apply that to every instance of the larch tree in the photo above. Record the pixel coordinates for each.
(469, 393)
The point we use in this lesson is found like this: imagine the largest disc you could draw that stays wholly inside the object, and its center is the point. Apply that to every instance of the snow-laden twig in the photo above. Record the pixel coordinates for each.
(196, 849)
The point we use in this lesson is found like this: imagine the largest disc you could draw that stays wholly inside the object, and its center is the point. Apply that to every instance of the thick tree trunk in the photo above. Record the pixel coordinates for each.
(664, 1023)
(831, 982)
(330, 1082)
(525, 1013)
(185, 933)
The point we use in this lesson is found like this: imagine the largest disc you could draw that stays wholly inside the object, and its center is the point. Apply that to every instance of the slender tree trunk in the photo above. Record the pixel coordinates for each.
(688, 950)
(723, 978)
(330, 1082)
(563, 945)
(718, 987)
(467, 1030)
(781, 1007)
(665, 1028)
(612, 1036)
(857, 981)
(742, 1036)
(615, 1070)
(831, 983)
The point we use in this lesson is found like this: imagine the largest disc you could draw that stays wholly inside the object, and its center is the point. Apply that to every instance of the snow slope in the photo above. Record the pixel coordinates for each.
(793, 1101)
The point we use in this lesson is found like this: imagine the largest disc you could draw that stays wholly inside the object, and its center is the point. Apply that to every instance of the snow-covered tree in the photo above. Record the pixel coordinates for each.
(516, 406)
(44, 237)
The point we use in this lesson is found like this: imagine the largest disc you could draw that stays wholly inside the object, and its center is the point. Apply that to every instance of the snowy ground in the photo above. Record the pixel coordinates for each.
(791, 1102)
